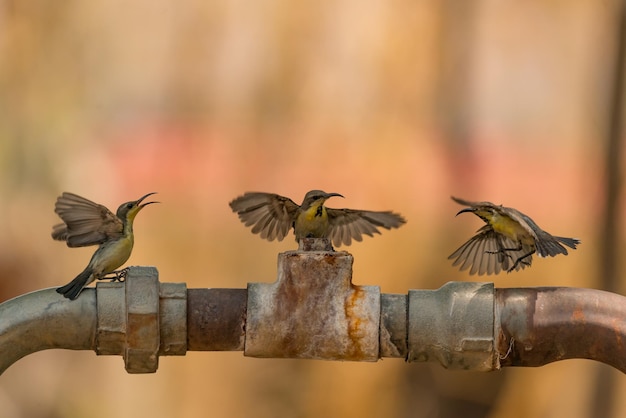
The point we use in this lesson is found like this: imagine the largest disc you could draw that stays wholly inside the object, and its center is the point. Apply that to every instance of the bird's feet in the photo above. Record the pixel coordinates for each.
(523, 260)
(503, 251)
(117, 276)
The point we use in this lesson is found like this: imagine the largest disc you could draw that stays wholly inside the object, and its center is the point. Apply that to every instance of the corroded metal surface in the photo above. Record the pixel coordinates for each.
(141, 319)
(393, 325)
(453, 325)
(313, 311)
(111, 311)
(216, 319)
(536, 326)
(173, 319)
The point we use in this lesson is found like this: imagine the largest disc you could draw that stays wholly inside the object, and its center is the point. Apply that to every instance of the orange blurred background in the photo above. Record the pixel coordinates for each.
(396, 105)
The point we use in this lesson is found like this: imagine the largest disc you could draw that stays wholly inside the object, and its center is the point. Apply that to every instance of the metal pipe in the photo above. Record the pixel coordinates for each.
(140, 319)
(537, 326)
(314, 311)
(453, 325)
(44, 319)
(216, 319)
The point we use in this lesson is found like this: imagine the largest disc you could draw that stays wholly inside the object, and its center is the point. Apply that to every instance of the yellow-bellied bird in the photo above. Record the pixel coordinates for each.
(272, 216)
(88, 223)
(506, 242)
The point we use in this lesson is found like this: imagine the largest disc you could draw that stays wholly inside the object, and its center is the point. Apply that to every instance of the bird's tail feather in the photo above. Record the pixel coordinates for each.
(570, 242)
(552, 246)
(73, 288)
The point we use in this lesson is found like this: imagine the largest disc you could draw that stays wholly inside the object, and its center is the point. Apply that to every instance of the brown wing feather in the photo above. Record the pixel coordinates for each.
(482, 253)
(346, 225)
(269, 214)
(86, 223)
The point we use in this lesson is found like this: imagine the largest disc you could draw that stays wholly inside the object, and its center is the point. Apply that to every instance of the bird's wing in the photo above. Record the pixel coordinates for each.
(348, 224)
(488, 252)
(269, 214)
(85, 222)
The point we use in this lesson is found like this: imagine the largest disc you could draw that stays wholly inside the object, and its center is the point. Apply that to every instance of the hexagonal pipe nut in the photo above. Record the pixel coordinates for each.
(141, 319)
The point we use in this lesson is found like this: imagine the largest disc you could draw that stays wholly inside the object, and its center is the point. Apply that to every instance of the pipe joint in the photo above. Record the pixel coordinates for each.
(141, 319)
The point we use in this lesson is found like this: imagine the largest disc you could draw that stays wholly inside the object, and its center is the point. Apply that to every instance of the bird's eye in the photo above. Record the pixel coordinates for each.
(129, 205)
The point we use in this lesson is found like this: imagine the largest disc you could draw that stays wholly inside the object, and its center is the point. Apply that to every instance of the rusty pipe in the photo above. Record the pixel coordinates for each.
(216, 319)
(537, 326)
(464, 325)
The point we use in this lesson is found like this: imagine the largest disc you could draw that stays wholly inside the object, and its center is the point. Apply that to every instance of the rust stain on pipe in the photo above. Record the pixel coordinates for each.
(354, 319)
(313, 311)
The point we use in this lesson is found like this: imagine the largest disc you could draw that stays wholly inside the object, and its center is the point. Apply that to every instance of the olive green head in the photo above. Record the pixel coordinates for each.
(127, 211)
(484, 212)
(316, 197)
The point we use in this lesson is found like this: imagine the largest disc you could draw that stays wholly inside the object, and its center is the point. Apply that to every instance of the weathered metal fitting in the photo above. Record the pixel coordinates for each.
(315, 244)
(141, 319)
(393, 325)
(454, 325)
(313, 311)
(173, 319)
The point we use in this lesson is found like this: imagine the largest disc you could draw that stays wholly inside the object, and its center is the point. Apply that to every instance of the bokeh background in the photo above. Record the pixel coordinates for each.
(395, 104)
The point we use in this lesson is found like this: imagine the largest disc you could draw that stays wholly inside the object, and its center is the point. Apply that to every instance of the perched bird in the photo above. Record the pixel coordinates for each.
(88, 223)
(506, 242)
(273, 216)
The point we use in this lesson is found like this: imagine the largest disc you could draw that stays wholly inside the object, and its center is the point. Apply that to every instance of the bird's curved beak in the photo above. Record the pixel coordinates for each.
(464, 210)
(328, 195)
(147, 203)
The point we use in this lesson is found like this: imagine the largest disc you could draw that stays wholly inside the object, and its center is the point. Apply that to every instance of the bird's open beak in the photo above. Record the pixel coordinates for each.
(464, 210)
(147, 203)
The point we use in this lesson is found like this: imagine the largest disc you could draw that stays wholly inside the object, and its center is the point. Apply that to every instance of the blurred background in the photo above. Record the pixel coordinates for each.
(395, 104)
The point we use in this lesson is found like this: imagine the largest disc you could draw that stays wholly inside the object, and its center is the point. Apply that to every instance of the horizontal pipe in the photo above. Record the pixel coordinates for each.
(537, 326)
(45, 319)
(216, 319)
(531, 326)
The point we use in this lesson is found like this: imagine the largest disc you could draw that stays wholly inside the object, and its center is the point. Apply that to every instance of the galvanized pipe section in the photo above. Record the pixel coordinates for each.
(453, 325)
(44, 319)
(536, 326)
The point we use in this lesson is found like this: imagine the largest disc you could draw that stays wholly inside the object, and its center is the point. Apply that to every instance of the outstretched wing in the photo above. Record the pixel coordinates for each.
(85, 222)
(488, 252)
(269, 214)
(346, 225)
